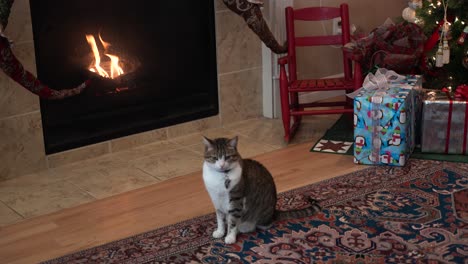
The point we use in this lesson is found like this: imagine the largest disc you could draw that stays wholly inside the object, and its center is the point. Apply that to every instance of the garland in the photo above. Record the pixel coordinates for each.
(250, 11)
(12, 67)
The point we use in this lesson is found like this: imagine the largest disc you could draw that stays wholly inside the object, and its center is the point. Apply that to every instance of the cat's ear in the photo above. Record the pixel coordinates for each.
(208, 143)
(233, 142)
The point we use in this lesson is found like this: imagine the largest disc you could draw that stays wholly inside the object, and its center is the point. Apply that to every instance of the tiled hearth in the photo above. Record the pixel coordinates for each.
(21, 137)
(66, 186)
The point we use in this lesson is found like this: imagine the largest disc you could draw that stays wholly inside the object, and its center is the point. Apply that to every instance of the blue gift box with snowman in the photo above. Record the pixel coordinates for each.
(384, 119)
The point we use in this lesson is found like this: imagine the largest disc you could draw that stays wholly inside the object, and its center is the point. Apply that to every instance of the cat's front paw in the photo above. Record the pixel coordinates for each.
(230, 239)
(218, 233)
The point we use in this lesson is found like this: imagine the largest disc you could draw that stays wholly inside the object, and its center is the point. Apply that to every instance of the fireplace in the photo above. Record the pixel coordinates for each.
(151, 64)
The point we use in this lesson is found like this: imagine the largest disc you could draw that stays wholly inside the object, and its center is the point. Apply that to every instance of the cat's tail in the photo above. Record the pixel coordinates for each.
(312, 209)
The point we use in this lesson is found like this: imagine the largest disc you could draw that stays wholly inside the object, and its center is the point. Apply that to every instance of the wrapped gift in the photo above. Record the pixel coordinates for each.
(384, 120)
(445, 122)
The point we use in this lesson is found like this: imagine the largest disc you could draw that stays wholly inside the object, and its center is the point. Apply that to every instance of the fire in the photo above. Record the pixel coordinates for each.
(110, 68)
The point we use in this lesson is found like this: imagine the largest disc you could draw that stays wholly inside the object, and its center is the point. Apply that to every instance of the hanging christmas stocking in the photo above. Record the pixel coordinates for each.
(250, 11)
(15, 70)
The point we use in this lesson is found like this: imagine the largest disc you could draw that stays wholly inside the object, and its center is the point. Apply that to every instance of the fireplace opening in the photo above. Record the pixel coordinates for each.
(151, 64)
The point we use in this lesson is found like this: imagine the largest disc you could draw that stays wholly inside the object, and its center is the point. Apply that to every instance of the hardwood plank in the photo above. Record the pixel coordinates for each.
(154, 206)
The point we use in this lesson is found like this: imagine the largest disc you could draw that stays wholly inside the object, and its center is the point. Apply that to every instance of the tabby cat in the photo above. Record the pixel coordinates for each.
(242, 191)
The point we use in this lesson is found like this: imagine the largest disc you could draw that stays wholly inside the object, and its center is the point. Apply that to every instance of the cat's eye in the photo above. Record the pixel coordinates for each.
(228, 157)
(211, 159)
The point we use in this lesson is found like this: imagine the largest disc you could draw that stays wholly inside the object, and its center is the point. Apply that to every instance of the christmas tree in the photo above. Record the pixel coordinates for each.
(444, 20)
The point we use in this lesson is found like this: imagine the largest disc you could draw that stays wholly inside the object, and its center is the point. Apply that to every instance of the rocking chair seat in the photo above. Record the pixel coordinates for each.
(321, 85)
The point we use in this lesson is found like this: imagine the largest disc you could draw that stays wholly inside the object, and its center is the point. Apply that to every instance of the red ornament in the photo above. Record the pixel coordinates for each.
(461, 39)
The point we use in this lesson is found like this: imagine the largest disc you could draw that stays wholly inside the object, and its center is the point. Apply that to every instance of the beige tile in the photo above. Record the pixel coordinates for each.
(198, 148)
(238, 48)
(19, 27)
(241, 95)
(8, 216)
(219, 5)
(78, 154)
(33, 180)
(15, 99)
(170, 164)
(21, 145)
(197, 138)
(193, 127)
(38, 199)
(264, 130)
(89, 166)
(105, 182)
(250, 147)
(146, 150)
(136, 140)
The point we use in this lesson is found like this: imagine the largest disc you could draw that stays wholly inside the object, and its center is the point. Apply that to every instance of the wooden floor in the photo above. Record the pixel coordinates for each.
(161, 204)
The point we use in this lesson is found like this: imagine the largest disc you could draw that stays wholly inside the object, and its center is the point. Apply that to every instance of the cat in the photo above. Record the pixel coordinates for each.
(242, 191)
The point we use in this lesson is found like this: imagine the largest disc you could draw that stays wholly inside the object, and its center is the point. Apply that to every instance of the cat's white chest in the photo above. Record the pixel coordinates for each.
(215, 183)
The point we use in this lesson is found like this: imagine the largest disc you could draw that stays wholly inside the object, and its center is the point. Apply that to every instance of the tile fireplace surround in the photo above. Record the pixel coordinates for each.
(21, 138)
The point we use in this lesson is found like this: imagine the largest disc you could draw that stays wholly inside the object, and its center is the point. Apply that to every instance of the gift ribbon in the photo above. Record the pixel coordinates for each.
(447, 138)
(462, 92)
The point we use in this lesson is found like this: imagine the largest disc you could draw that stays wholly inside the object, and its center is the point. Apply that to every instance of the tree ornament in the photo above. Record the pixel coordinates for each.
(462, 37)
(415, 4)
(446, 52)
(409, 14)
(439, 57)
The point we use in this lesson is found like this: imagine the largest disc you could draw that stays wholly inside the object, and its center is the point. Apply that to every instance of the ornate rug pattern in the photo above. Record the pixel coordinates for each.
(412, 214)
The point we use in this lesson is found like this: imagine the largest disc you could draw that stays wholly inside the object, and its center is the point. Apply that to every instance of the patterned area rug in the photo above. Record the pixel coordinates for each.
(414, 214)
(339, 139)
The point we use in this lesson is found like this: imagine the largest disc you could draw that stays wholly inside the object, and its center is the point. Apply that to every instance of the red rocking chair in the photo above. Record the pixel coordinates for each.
(290, 86)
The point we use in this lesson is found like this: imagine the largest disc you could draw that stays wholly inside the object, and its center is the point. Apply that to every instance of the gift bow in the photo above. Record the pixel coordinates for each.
(462, 91)
(378, 82)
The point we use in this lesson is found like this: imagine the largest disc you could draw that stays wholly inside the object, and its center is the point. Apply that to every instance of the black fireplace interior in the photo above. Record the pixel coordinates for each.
(166, 50)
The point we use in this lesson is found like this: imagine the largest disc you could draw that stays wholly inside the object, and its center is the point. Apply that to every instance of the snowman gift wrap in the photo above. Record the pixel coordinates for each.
(385, 112)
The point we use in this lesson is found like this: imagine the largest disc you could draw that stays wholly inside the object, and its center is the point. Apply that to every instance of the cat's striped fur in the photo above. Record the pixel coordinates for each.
(242, 191)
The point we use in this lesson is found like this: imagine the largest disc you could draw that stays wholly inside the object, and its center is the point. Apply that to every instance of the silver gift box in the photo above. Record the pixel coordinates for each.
(435, 121)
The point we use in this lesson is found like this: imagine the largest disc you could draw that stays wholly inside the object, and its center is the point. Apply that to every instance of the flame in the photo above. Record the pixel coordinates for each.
(112, 65)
